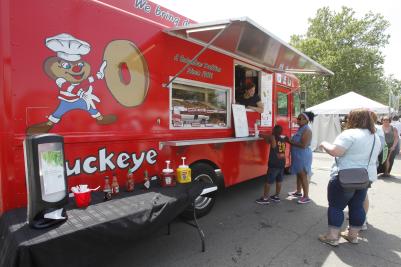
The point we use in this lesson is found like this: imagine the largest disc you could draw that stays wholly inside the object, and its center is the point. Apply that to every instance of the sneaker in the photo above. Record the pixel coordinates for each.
(304, 200)
(295, 194)
(275, 198)
(263, 201)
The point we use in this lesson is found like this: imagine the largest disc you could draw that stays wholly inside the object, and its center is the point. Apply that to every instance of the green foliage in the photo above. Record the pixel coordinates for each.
(348, 46)
(394, 86)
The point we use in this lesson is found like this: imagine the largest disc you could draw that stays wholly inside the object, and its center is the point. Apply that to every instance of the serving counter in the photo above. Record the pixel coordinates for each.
(181, 143)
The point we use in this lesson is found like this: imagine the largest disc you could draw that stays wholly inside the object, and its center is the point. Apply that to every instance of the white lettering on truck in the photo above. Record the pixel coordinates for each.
(87, 165)
(108, 161)
(105, 161)
(122, 160)
(143, 4)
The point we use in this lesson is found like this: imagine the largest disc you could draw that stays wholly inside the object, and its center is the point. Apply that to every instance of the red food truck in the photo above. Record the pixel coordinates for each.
(130, 84)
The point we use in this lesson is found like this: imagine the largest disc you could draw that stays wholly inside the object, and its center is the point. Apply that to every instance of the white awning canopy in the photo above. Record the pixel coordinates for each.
(345, 103)
(245, 40)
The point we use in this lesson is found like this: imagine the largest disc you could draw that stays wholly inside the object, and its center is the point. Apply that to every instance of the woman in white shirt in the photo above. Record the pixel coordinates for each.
(356, 147)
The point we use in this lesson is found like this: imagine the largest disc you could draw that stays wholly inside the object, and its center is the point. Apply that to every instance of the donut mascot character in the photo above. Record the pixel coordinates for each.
(72, 77)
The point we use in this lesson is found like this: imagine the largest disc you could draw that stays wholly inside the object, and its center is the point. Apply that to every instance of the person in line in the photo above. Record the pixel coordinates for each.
(249, 99)
(381, 158)
(384, 152)
(356, 147)
(276, 165)
(343, 122)
(301, 156)
(397, 124)
(392, 140)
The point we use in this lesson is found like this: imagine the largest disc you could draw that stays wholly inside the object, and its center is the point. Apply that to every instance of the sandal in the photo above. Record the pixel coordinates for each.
(352, 240)
(331, 242)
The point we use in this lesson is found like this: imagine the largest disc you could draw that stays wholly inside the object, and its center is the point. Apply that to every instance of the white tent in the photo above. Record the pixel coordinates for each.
(326, 125)
(345, 103)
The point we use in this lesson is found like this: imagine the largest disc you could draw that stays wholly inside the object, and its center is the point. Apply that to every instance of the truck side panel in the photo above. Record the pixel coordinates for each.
(94, 73)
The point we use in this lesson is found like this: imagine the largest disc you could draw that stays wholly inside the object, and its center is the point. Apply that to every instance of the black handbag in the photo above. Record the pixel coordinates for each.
(355, 178)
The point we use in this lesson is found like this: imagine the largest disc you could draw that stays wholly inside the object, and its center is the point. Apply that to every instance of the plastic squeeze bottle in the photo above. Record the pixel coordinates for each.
(256, 130)
(107, 189)
(168, 178)
(115, 188)
(146, 180)
(183, 173)
(130, 185)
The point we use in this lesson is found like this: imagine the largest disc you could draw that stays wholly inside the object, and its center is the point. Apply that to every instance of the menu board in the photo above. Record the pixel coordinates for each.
(267, 97)
(240, 121)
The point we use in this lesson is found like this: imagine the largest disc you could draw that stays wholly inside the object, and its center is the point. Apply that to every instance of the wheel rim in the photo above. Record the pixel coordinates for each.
(202, 202)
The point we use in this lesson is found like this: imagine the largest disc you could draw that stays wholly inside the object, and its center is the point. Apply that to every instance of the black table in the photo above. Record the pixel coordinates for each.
(92, 233)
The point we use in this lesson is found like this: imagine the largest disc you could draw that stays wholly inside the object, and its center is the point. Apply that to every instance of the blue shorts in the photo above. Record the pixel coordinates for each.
(274, 175)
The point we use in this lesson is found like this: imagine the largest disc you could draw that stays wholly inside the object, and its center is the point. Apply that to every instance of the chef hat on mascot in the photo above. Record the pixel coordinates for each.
(67, 46)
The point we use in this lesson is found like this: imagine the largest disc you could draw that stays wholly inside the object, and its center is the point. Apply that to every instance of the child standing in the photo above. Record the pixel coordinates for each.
(276, 165)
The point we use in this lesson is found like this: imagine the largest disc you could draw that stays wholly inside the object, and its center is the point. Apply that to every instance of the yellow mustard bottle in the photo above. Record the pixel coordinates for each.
(183, 173)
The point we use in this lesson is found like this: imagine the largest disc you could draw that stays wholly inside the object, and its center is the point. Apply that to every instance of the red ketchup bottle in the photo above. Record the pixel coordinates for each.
(115, 188)
(168, 177)
(130, 185)
(107, 189)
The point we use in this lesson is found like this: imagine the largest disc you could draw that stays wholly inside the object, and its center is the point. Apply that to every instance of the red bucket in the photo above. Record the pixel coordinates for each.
(82, 200)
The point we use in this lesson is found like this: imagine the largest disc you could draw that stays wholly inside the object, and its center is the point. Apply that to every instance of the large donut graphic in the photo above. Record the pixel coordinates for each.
(126, 73)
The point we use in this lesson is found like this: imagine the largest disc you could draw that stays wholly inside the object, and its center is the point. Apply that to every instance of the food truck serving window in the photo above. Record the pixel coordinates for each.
(244, 75)
(196, 105)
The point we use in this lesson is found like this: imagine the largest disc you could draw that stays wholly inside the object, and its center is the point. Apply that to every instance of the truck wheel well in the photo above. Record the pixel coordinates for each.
(220, 177)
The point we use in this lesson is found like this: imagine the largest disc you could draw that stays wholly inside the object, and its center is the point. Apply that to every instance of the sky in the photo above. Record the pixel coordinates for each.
(284, 18)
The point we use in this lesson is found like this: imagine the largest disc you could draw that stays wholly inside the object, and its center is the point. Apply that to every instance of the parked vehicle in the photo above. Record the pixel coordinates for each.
(137, 87)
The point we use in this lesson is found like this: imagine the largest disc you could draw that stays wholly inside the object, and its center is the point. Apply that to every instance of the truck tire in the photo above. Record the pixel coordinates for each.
(203, 205)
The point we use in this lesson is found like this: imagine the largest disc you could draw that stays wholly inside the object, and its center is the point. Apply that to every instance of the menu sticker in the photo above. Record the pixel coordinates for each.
(266, 97)
(240, 121)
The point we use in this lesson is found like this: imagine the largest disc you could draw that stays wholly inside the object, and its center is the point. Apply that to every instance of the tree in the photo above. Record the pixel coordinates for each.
(348, 46)
(393, 87)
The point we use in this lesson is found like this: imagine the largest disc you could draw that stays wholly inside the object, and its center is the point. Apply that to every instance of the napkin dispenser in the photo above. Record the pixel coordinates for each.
(46, 179)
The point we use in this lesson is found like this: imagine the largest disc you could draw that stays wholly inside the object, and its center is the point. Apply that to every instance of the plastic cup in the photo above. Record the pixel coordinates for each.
(82, 200)
(83, 187)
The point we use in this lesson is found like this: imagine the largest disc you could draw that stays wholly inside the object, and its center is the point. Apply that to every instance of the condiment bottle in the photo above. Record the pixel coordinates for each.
(107, 189)
(146, 180)
(256, 130)
(115, 188)
(130, 185)
(168, 178)
(183, 173)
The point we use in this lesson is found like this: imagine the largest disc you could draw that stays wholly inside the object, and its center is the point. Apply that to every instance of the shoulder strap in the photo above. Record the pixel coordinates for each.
(371, 151)
(370, 155)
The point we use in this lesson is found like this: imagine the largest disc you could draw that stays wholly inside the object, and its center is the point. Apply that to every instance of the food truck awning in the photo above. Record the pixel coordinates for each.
(245, 40)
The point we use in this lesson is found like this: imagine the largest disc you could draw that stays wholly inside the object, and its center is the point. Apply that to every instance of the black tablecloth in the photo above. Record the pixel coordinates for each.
(92, 233)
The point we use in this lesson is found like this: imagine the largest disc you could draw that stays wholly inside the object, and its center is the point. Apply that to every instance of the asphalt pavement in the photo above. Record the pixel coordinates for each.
(240, 232)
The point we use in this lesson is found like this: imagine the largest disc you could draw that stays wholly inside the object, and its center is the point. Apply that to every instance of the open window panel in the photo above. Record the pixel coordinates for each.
(197, 105)
(245, 74)
(283, 109)
(296, 104)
